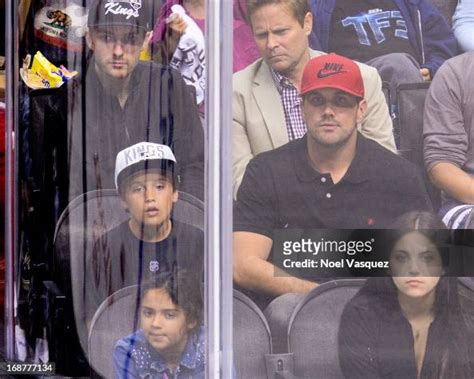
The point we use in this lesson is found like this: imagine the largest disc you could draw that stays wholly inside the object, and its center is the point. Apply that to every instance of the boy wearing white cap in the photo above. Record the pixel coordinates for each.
(144, 178)
(150, 242)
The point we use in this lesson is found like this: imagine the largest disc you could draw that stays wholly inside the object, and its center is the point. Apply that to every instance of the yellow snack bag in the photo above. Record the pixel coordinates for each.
(44, 74)
(50, 74)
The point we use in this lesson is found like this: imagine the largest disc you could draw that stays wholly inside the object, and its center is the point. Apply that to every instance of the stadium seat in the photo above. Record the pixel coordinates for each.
(85, 219)
(313, 329)
(252, 338)
(411, 101)
(446, 7)
(386, 92)
(278, 314)
(117, 317)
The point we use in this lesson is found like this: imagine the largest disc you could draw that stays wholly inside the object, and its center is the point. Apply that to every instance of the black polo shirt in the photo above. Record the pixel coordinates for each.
(280, 189)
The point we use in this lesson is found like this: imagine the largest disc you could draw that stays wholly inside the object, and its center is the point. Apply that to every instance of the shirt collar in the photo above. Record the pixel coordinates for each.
(360, 169)
(304, 171)
(281, 82)
(193, 352)
(358, 172)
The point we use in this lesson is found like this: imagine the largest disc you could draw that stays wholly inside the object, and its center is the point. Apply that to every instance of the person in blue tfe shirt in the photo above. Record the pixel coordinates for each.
(150, 241)
(407, 41)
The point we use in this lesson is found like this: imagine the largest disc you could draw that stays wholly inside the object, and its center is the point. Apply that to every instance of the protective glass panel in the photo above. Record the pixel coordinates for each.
(108, 250)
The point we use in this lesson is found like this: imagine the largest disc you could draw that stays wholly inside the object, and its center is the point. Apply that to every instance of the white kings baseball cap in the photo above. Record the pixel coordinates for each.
(142, 156)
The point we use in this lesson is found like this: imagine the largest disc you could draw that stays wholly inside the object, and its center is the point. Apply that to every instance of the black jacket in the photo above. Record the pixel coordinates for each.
(376, 340)
(159, 108)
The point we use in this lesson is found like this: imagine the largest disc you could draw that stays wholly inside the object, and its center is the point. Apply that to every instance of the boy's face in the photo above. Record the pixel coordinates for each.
(149, 197)
(164, 323)
(116, 49)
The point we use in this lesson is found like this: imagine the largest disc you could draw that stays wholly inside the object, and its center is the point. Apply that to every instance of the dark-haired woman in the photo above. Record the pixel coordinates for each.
(416, 323)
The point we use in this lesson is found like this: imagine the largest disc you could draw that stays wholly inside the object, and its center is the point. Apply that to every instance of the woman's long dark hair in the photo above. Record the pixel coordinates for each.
(425, 223)
(453, 309)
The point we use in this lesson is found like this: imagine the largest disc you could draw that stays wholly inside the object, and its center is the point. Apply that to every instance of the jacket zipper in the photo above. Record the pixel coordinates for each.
(423, 61)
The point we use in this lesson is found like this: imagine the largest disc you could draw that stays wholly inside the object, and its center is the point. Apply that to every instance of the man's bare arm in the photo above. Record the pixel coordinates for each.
(454, 181)
(252, 270)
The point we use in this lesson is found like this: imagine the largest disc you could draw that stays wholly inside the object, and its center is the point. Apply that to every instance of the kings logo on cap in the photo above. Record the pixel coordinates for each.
(141, 152)
(136, 4)
(117, 7)
(129, 158)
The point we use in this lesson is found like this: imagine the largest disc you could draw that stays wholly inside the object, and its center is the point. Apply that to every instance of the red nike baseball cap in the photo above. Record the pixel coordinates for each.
(332, 71)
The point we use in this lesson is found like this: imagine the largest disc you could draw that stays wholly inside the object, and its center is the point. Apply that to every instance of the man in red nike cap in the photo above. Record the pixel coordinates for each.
(333, 105)
(332, 178)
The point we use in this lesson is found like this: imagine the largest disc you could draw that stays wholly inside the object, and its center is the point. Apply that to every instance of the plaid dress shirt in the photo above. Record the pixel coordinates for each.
(291, 101)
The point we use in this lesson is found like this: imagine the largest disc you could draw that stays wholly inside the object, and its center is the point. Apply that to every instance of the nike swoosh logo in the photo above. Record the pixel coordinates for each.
(324, 74)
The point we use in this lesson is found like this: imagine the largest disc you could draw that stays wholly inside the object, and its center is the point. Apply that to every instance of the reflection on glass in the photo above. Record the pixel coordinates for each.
(85, 231)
